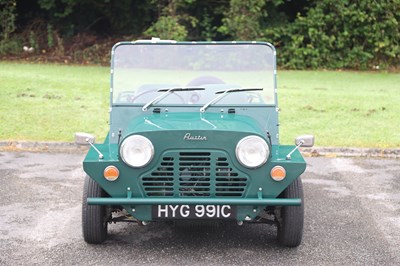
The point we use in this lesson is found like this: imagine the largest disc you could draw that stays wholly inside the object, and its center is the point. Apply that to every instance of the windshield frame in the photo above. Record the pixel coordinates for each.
(164, 42)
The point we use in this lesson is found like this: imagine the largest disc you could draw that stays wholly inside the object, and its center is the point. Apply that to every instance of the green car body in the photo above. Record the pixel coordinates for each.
(192, 170)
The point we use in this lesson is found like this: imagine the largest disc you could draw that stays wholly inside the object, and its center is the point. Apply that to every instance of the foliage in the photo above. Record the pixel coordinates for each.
(7, 26)
(331, 34)
(341, 34)
(242, 19)
(170, 25)
(167, 28)
(72, 17)
(60, 9)
(11, 46)
(7, 18)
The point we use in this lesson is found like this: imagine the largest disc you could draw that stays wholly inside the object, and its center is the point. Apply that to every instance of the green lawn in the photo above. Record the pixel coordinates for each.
(50, 102)
(347, 109)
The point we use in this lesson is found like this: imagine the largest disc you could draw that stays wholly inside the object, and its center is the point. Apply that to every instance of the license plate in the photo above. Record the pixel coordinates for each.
(194, 212)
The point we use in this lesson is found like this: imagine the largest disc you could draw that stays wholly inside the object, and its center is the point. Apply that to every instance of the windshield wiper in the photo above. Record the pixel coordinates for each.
(224, 93)
(166, 92)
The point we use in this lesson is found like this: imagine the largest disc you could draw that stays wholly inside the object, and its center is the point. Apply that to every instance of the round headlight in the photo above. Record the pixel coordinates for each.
(137, 151)
(252, 151)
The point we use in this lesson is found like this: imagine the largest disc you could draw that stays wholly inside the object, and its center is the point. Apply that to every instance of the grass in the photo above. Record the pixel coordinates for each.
(52, 102)
(352, 109)
(347, 109)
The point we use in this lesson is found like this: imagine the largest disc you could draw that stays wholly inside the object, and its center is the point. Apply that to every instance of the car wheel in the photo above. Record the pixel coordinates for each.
(290, 219)
(94, 217)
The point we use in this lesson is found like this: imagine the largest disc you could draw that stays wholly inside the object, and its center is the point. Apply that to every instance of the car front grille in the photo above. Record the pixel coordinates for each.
(194, 174)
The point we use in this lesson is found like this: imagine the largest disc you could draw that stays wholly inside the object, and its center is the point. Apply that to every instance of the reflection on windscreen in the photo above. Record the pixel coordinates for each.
(140, 70)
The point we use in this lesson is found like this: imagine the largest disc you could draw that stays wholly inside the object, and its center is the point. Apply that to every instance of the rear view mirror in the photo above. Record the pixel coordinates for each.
(305, 141)
(82, 138)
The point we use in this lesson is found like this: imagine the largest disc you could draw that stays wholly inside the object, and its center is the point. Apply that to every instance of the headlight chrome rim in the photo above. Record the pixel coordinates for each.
(242, 158)
(130, 144)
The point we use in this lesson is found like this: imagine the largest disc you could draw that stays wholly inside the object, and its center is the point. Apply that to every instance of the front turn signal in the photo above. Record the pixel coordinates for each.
(278, 173)
(111, 173)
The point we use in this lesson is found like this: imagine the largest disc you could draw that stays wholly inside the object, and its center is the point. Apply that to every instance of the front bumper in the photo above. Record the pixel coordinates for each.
(247, 209)
(195, 201)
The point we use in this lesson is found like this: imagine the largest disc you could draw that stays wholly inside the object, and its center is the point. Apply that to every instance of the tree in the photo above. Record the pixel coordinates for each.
(171, 22)
(7, 27)
(242, 19)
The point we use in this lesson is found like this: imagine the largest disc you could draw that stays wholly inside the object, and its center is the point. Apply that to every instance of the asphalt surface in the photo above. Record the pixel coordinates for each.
(352, 218)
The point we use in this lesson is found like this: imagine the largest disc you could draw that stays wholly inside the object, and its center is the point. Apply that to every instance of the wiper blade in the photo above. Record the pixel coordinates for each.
(224, 93)
(166, 92)
(182, 89)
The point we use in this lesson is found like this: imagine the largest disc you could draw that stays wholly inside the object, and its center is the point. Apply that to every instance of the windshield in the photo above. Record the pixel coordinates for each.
(142, 71)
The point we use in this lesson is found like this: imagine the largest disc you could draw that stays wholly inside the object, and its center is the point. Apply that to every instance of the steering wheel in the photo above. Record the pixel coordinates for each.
(133, 99)
(205, 80)
(195, 97)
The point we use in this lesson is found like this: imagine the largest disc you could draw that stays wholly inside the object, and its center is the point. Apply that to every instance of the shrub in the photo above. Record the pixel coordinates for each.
(341, 34)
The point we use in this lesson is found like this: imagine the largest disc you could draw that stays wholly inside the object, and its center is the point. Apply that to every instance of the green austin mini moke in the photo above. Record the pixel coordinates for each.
(194, 137)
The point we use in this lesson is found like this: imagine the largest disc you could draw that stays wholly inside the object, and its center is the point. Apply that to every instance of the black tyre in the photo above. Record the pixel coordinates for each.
(290, 219)
(94, 217)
